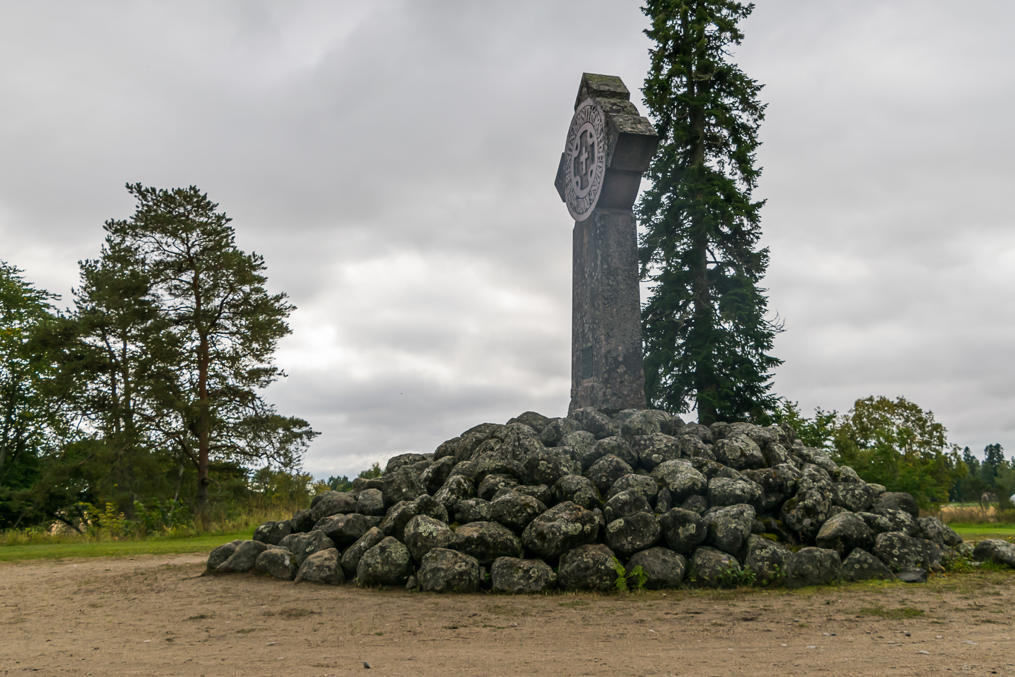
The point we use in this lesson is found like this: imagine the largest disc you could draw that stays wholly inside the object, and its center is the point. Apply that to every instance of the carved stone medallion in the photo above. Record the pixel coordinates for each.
(584, 159)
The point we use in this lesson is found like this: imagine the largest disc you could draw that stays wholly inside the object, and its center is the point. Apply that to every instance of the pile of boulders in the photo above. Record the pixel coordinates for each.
(596, 501)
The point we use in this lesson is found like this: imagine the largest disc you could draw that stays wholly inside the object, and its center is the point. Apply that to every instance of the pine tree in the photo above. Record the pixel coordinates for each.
(707, 337)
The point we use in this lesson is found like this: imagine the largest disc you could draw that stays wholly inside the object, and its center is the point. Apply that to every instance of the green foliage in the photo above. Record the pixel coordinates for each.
(707, 338)
(176, 336)
(899, 445)
(635, 579)
(735, 577)
(818, 431)
(343, 483)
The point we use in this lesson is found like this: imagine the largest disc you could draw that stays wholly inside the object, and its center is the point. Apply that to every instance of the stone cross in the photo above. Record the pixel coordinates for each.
(608, 147)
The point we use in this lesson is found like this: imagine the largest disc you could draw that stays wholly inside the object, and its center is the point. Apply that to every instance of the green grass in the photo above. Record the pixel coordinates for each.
(971, 531)
(896, 613)
(152, 546)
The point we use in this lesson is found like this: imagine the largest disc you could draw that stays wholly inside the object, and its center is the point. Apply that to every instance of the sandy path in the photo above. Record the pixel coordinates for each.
(157, 616)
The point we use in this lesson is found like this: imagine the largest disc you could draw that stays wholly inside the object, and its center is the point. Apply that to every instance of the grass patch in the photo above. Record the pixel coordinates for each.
(894, 613)
(151, 546)
(973, 531)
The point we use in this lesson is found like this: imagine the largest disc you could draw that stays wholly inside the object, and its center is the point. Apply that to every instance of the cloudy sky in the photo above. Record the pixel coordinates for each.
(394, 162)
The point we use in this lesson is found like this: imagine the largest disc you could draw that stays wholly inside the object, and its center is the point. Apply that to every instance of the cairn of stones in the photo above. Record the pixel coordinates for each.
(540, 504)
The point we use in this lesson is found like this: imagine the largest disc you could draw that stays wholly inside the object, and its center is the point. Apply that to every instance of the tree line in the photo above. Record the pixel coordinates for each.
(148, 388)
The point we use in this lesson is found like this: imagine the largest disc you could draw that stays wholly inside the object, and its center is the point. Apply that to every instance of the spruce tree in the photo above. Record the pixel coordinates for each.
(706, 331)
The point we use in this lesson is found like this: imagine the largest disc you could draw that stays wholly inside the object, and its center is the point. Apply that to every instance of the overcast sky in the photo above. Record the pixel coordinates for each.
(394, 163)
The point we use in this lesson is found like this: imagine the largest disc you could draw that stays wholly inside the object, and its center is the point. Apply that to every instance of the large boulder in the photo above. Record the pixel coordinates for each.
(812, 566)
(680, 478)
(515, 510)
(402, 484)
(387, 563)
(729, 491)
(272, 532)
(844, 531)
(303, 544)
(628, 535)
(662, 567)
(900, 551)
(729, 527)
(352, 554)
(576, 489)
(767, 559)
(739, 452)
(588, 567)
(486, 541)
(424, 533)
(625, 503)
(276, 561)
(345, 529)
(444, 570)
(331, 503)
(897, 500)
(606, 471)
(683, 530)
(863, 566)
(995, 550)
(242, 558)
(561, 528)
(521, 576)
(711, 568)
(322, 566)
(221, 554)
(371, 502)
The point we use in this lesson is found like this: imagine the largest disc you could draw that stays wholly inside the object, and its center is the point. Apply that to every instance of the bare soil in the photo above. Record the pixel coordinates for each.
(157, 615)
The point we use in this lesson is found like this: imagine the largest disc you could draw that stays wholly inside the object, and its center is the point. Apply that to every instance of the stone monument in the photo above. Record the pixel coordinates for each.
(608, 147)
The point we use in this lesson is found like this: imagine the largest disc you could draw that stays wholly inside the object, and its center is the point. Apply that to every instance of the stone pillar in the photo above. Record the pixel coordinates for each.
(608, 147)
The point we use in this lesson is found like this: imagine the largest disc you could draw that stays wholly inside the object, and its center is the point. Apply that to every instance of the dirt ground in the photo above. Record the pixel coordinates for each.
(157, 615)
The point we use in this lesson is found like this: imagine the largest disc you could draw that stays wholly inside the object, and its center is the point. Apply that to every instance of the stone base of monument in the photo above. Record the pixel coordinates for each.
(592, 500)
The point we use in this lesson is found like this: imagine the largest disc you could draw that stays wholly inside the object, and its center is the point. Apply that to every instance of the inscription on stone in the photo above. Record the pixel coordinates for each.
(607, 148)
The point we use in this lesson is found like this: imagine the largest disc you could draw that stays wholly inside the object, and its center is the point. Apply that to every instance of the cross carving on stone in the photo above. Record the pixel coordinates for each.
(608, 147)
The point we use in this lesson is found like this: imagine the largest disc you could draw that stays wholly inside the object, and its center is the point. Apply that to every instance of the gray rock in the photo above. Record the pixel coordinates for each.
(995, 550)
(579, 442)
(555, 430)
(436, 474)
(370, 502)
(221, 554)
(387, 563)
(937, 531)
(472, 510)
(606, 471)
(491, 484)
(853, 496)
(332, 503)
(364, 483)
(588, 567)
(680, 478)
(726, 491)
(683, 530)
(402, 460)
(303, 544)
(276, 561)
(576, 489)
(627, 535)
(532, 419)
(352, 554)
(540, 492)
(625, 503)
(900, 551)
(515, 510)
(486, 541)
(302, 520)
(608, 446)
(806, 512)
(898, 500)
(635, 483)
(713, 568)
(663, 568)
(546, 466)
(561, 528)
(521, 576)
(456, 488)
(767, 559)
(729, 527)
(444, 570)
(424, 533)
(656, 448)
(645, 422)
(695, 503)
(863, 566)
(399, 514)
(739, 451)
(777, 484)
(901, 520)
(272, 532)
(595, 422)
(242, 558)
(844, 531)
(812, 566)
(322, 566)
(344, 529)
(913, 576)
(699, 431)
(401, 484)
(878, 524)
